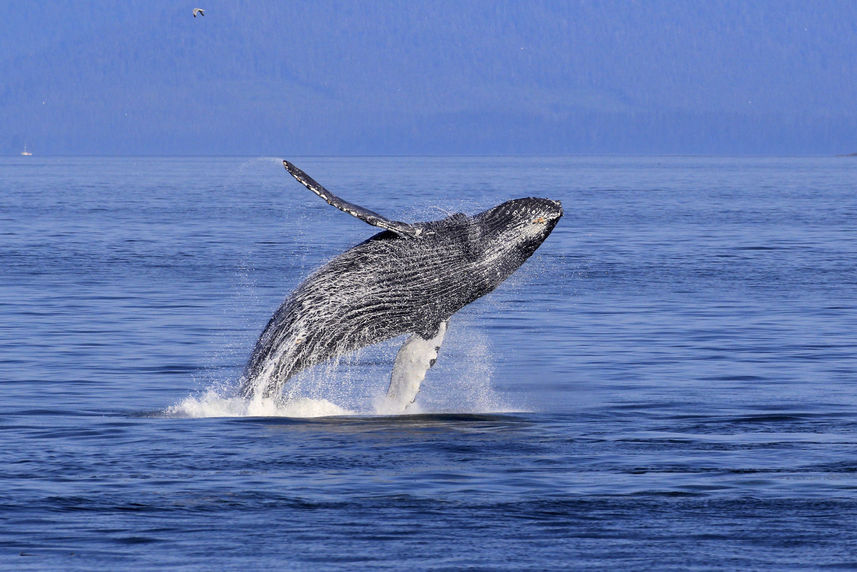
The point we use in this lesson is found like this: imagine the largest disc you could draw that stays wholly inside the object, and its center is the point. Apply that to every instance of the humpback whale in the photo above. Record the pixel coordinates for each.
(408, 279)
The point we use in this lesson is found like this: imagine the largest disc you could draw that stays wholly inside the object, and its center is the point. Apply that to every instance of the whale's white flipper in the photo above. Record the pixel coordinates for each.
(414, 359)
(401, 228)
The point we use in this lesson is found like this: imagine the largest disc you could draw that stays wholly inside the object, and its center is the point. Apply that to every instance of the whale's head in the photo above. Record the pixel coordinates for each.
(512, 231)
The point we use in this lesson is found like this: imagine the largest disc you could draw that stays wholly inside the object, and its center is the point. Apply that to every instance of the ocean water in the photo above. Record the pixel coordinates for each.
(669, 383)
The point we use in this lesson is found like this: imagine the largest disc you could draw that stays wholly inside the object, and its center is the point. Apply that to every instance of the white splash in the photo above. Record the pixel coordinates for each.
(385, 406)
(356, 385)
(213, 404)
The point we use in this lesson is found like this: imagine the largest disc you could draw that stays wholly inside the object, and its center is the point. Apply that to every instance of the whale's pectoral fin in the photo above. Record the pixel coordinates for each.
(414, 359)
(401, 228)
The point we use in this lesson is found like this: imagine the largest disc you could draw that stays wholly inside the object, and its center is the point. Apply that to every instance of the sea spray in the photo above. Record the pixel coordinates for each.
(212, 403)
(355, 385)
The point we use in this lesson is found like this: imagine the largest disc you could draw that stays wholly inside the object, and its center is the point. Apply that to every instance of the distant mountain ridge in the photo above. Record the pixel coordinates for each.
(434, 78)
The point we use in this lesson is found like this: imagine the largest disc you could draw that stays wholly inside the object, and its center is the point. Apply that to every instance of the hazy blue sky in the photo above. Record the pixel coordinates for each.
(443, 77)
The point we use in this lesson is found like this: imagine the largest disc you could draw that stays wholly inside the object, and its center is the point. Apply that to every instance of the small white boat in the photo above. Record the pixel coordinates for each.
(25, 153)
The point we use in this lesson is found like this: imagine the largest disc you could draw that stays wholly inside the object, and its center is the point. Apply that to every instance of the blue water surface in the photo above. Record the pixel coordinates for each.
(669, 383)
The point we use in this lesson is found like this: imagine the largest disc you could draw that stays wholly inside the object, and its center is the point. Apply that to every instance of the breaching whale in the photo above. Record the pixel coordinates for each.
(408, 279)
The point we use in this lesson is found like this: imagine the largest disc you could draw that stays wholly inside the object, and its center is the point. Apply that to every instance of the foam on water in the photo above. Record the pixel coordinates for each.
(467, 393)
(214, 404)
(356, 384)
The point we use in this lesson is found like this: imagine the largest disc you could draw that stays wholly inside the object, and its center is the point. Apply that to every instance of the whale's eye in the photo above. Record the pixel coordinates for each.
(539, 220)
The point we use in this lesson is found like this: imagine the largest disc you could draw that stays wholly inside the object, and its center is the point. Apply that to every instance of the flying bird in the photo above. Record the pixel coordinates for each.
(199, 11)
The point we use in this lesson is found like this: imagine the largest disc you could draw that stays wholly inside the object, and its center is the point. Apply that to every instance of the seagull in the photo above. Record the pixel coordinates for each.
(199, 11)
